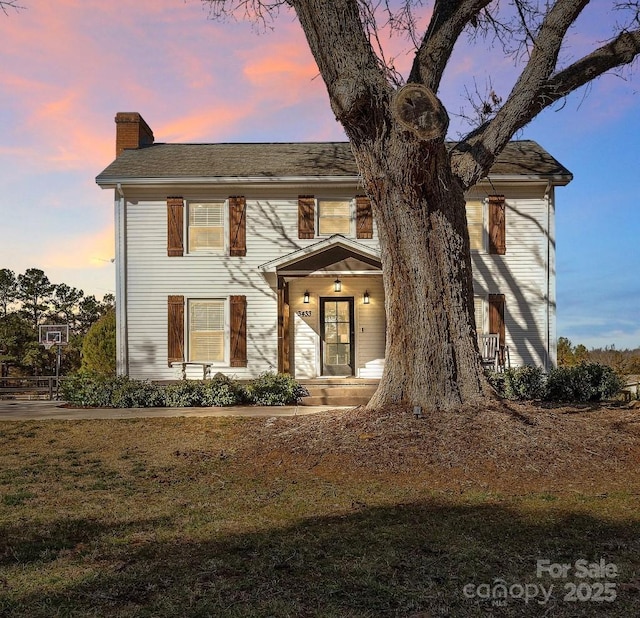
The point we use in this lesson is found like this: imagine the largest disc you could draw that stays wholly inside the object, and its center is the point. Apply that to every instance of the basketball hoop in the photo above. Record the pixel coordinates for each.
(48, 344)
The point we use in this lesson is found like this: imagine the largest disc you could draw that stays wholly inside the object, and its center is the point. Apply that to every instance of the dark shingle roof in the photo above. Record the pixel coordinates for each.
(281, 160)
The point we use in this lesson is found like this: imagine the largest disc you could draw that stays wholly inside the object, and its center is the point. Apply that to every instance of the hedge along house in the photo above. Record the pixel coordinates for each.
(244, 258)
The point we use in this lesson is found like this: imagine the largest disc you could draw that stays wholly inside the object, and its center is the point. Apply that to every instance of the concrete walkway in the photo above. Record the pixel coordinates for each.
(21, 410)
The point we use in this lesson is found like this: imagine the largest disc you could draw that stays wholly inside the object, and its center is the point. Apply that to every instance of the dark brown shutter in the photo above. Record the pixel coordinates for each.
(496, 316)
(497, 241)
(175, 226)
(238, 226)
(306, 216)
(364, 218)
(238, 306)
(176, 329)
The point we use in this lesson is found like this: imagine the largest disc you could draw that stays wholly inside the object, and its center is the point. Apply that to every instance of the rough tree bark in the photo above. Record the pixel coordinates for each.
(415, 184)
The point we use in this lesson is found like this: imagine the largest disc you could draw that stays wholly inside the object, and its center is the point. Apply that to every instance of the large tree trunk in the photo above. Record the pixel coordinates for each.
(431, 357)
(397, 137)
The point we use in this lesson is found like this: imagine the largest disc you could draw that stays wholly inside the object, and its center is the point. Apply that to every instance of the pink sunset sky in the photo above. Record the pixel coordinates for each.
(68, 66)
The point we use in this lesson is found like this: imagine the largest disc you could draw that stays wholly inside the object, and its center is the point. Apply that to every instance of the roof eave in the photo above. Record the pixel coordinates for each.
(559, 180)
(113, 182)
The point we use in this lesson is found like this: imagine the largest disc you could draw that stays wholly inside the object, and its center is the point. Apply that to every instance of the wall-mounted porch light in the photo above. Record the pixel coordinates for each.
(337, 285)
(305, 298)
(365, 298)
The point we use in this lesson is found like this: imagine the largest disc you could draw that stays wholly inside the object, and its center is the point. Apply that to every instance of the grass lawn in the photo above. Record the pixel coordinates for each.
(338, 514)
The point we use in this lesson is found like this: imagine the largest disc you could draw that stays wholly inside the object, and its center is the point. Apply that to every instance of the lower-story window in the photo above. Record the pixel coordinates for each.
(206, 330)
(478, 306)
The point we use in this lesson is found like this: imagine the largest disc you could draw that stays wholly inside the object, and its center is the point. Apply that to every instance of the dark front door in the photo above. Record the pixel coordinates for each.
(337, 336)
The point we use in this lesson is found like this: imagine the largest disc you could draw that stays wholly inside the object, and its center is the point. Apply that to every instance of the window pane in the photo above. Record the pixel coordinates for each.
(206, 226)
(343, 311)
(475, 210)
(330, 312)
(206, 331)
(478, 306)
(334, 217)
(344, 332)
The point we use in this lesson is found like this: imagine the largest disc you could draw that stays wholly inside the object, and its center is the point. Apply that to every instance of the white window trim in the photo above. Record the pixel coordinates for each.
(352, 215)
(225, 362)
(225, 232)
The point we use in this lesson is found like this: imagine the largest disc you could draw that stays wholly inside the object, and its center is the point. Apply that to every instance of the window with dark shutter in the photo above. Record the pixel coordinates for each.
(496, 316)
(175, 226)
(497, 240)
(306, 216)
(176, 329)
(237, 226)
(364, 217)
(238, 330)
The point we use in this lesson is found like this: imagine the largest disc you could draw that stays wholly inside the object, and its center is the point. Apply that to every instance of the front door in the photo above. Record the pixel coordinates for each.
(337, 336)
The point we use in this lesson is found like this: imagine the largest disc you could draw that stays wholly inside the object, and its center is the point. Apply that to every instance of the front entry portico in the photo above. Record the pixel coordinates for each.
(331, 320)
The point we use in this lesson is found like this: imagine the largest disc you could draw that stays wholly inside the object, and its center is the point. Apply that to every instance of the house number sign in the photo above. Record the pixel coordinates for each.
(304, 314)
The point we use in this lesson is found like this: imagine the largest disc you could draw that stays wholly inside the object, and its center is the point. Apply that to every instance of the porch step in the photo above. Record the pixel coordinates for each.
(339, 391)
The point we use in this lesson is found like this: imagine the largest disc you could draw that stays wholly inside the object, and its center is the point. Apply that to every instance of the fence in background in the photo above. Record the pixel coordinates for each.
(30, 385)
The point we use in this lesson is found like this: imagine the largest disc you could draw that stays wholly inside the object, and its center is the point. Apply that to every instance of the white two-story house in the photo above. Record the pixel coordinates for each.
(245, 258)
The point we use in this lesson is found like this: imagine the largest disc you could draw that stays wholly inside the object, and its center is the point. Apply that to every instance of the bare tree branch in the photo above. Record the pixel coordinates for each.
(9, 4)
(447, 23)
(348, 65)
(483, 145)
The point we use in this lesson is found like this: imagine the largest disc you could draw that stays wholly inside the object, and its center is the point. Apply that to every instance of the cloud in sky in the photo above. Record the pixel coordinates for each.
(69, 66)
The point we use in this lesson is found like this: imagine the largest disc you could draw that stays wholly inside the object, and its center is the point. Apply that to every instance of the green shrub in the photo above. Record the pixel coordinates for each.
(583, 382)
(524, 383)
(185, 394)
(497, 381)
(137, 394)
(93, 390)
(274, 389)
(89, 390)
(221, 391)
(99, 346)
(98, 391)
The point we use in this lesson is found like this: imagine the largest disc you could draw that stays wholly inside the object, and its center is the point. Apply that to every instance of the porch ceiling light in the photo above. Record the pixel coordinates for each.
(306, 297)
(337, 285)
(365, 298)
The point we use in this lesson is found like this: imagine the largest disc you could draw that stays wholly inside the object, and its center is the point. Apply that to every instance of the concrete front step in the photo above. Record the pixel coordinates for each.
(335, 401)
(339, 391)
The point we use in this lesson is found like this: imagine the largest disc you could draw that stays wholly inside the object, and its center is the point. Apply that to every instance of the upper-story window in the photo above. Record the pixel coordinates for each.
(325, 217)
(334, 217)
(486, 221)
(210, 227)
(206, 226)
(475, 224)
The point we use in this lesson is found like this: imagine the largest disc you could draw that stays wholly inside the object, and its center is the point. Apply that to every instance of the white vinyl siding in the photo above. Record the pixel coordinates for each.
(272, 218)
(521, 274)
(334, 217)
(206, 327)
(475, 223)
(206, 226)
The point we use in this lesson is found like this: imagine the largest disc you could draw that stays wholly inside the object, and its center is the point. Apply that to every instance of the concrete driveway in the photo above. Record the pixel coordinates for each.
(23, 410)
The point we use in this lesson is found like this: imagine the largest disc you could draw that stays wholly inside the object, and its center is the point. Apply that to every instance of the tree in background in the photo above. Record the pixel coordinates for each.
(99, 346)
(34, 293)
(64, 305)
(568, 356)
(397, 131)
(8, 290)
(16, 334)
(29, 300)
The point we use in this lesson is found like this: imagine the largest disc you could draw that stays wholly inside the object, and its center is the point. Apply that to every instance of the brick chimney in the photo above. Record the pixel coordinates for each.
(131, 132)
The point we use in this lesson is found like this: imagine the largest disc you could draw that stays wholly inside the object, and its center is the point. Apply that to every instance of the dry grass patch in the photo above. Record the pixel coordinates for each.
(338, 514)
